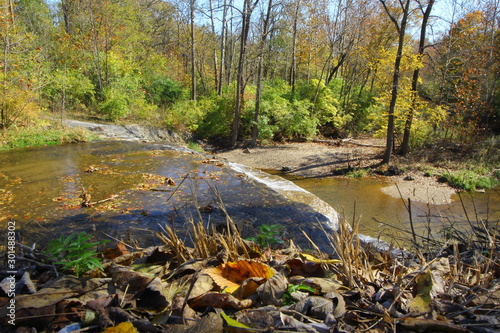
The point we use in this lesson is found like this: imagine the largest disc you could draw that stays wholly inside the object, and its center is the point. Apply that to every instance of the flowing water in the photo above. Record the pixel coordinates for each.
(384, 216)
(125, 190)
(129, 190)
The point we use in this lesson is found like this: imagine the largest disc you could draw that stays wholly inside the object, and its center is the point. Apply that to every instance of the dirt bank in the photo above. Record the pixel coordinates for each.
(315, 160)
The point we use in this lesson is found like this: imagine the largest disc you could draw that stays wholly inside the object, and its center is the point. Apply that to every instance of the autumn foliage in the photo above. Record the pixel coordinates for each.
(314, 68)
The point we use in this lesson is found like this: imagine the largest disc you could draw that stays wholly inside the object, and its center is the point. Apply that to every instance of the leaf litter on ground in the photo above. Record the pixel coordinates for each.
(232, 285)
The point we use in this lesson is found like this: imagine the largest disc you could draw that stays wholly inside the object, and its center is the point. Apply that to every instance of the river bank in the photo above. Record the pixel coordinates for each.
(320, 160)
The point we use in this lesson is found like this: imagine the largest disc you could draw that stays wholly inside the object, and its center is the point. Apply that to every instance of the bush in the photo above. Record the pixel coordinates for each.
(163, 91)
(468, 180)
(115, 104)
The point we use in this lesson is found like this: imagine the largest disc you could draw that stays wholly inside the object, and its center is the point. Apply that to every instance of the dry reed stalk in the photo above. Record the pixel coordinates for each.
(177, 245)
(234, 240)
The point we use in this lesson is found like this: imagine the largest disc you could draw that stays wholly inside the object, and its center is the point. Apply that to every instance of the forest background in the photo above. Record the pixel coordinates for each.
(414, 71)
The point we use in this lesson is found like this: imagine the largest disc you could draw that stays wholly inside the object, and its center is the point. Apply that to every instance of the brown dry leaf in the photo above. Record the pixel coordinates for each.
(430, 325)
(272, 291)
(212, 323)
(322, 285)
(338, 303)
(307, 268)
(117, 251)
(315, 306)
(299, 326)
(203, 284)
(231, 275)
(220, 300)
(179, 310)
(124, 277)
(154, 296)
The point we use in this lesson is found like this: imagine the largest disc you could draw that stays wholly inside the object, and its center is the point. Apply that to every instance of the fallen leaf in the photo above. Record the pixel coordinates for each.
(209, 324)
(421, 303)
(221, 301)
(112, 253)
(430, 325)
(272, 291)
(231, 275)
(233, 326)
(310, 258)
(203, 284)
(308, 268)
(314, 306)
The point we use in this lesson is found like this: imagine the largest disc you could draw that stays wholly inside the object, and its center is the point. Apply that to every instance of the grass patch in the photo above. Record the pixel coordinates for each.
(358, 173)
(195, 146)
(42, 136)
(469, 180)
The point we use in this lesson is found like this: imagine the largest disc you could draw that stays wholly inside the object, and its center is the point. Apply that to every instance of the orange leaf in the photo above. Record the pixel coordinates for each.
(231, 275)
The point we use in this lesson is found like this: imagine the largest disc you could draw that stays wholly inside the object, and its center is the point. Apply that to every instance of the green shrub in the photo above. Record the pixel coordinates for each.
(358, 173)
(163, 91)
(74, 253)
(115, 104)
(468, 180)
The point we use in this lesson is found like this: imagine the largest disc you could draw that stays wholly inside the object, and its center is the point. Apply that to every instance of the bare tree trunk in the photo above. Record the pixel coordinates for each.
(193, 62)
(248, 8)
(6, 50)
(293, 65)
(262, 47)
(220, 74)
(215, 57)
(401, 29)
(405, 145)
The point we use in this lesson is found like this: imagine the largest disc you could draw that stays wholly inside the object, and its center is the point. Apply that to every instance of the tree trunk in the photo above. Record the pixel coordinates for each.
(262, 47)
(401, 29)
(193, 62)
(248, 8)
(405, 145)
(293, 65)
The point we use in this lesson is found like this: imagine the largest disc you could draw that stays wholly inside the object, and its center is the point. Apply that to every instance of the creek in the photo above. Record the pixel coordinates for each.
(386, 217)
(125, 191)
(129, 190)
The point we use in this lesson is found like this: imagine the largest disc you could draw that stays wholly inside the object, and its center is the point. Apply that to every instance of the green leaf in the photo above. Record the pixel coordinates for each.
(235, 324)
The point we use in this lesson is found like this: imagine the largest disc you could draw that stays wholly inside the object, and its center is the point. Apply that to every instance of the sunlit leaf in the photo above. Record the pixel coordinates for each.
(234, 325)
(231, 275)
(309, 257)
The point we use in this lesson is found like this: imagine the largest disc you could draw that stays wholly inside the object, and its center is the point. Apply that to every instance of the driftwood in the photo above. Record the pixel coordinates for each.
(341, 141)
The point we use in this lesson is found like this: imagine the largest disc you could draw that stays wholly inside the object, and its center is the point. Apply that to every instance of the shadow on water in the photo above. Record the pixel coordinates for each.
(133, 188)
(383, 216)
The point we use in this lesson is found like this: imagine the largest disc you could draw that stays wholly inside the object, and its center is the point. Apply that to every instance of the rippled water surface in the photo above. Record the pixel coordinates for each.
(132, 188)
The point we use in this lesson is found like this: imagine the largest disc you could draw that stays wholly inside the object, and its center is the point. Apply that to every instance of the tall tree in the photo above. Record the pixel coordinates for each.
(246, 16)
(192, 4)
(262, 48)
(400, 26)
(426, 13)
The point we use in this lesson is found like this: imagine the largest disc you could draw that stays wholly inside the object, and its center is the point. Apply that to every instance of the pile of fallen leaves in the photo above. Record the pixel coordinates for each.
(226, 284)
